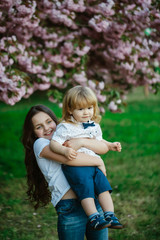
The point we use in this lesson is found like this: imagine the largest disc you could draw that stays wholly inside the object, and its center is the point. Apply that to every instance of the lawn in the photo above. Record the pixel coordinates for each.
(134, 173)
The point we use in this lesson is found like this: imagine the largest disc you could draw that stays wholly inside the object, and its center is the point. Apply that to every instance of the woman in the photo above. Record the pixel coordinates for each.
(44, 170)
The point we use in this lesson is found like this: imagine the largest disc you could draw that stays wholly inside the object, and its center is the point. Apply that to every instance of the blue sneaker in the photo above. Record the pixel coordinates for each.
(115, 224)
(98, 223)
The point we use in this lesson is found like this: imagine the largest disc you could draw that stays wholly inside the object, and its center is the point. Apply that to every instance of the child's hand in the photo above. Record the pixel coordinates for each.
(115, 146)
(70, 153)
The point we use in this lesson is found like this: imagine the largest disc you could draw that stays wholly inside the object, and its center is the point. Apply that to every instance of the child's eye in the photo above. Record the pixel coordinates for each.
(38, 127)
(49, 121)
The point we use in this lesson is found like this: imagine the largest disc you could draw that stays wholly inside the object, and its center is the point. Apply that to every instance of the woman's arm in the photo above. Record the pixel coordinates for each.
(82, 159)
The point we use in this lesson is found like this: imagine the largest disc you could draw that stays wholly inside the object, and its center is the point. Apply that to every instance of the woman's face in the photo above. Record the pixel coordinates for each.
(43, 125)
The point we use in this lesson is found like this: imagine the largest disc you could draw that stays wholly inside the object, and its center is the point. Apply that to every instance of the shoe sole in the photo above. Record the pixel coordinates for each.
(116, 227)
(105, 226)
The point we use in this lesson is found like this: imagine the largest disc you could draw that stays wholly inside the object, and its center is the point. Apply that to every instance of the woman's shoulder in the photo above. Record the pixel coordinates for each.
(41, 140)
(39, 144)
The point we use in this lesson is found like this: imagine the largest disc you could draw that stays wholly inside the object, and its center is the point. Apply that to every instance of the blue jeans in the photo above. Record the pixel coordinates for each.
(72, 222)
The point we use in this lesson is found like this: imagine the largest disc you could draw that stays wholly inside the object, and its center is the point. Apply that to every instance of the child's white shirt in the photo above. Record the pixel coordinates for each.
(66, 131)
(52, 171)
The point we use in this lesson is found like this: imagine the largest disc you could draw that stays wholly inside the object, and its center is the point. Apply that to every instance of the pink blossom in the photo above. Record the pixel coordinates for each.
(128, 66)
(2, 68)
(57, 17)
(11, 61)
(98, 24)
(101, 85)
(101, 109)
(59, 73)
(60, 105)
(3, 29)
(51, 99)
(119, 101)
(91, 84)
(21, 47)
(23, 10)
(54, 59)
(83, 51)
(112, 106)
(101, 98)
(18, 94)
(80, 78)
(44, 78)
(50, 44)
(41, 86)
(60, 84)
(29, 92)
(70, 64)
(79, 7)
(104, 41)
(12, 49)
(67, 48)
(130, 7)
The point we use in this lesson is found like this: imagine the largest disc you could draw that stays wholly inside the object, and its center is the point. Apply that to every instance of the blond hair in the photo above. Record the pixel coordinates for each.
(79, 97)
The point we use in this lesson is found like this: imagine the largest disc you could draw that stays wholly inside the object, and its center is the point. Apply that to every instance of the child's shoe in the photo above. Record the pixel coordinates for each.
(98, 223)
(115, 224)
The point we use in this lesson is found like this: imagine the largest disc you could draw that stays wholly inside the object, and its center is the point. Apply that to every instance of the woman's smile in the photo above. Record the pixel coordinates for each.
(44, 126)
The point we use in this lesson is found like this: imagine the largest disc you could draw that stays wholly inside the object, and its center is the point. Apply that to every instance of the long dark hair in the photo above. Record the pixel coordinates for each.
(38, 192)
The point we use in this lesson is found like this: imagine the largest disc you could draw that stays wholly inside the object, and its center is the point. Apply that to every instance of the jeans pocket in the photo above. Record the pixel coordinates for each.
(64, 207)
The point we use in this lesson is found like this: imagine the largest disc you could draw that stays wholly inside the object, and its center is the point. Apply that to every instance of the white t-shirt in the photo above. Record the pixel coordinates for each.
(66, 131)
(52, 172)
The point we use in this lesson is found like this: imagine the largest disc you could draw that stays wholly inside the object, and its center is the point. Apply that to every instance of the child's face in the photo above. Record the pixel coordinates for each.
(83, 114)
(43, 125)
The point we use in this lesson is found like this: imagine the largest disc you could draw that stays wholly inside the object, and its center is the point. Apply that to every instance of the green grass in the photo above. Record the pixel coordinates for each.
(134, 173)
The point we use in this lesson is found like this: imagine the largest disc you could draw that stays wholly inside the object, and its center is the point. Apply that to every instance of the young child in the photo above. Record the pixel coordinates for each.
(80, 120)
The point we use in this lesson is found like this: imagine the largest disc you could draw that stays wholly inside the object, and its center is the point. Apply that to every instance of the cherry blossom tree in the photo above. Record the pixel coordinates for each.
(110, 46)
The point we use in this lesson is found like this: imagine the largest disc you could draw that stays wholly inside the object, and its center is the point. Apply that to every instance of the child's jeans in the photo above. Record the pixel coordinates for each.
(72, 222)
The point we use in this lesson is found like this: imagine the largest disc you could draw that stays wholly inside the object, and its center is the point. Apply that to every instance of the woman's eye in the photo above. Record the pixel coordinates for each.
(38, 127)
(49, 121)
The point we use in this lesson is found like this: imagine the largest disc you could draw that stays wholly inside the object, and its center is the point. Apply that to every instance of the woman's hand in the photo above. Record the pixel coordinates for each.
(102, 168)
(75, 143)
